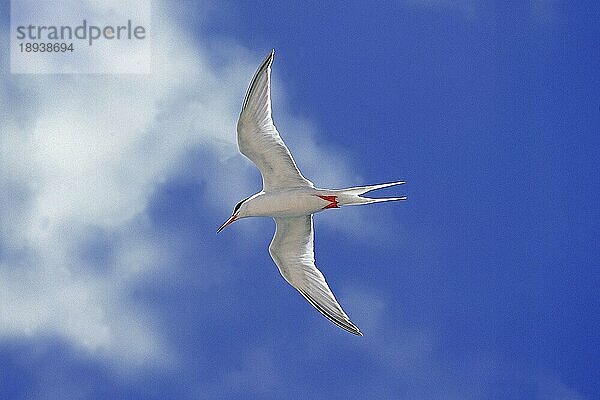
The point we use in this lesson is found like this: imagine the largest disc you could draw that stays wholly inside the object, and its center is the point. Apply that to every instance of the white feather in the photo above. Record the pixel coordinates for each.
(259, 140)
(292, 249)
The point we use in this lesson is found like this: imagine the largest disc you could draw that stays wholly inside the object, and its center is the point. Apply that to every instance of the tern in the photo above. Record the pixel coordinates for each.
(290, 199)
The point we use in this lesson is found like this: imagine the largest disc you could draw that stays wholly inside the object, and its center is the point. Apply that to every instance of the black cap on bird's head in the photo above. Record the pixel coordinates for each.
(234, 215)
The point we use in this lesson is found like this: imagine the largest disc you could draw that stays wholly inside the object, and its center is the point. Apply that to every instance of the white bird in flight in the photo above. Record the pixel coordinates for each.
(290, 199)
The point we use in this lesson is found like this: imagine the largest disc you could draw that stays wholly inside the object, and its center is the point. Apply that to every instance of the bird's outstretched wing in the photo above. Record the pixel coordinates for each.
(292, 249)
(258, 138)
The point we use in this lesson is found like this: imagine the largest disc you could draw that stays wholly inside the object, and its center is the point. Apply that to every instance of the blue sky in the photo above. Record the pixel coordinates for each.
(484, 285)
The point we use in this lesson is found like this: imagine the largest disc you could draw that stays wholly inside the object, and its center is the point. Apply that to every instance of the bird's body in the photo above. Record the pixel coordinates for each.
(296, 202)
(293, 202)
(290, 199)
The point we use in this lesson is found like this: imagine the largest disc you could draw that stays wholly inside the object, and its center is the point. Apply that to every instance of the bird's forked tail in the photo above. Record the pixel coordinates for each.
(353, 196)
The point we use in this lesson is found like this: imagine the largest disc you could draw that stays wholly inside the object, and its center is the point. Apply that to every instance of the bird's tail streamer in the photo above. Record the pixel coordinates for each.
(354, 196)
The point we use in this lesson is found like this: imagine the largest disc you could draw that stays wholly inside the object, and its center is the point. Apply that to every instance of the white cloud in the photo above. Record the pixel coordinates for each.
(81, 152)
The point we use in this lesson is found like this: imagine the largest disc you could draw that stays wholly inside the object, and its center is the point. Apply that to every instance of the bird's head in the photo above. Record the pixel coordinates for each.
(239, 211)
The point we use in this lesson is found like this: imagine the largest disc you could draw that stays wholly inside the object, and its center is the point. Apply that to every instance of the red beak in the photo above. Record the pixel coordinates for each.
(229, 221)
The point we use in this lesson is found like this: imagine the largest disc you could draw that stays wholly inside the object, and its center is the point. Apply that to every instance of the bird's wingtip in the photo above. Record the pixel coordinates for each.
(270, 56)
(354, 329)
(268, 61)
(350, 327)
